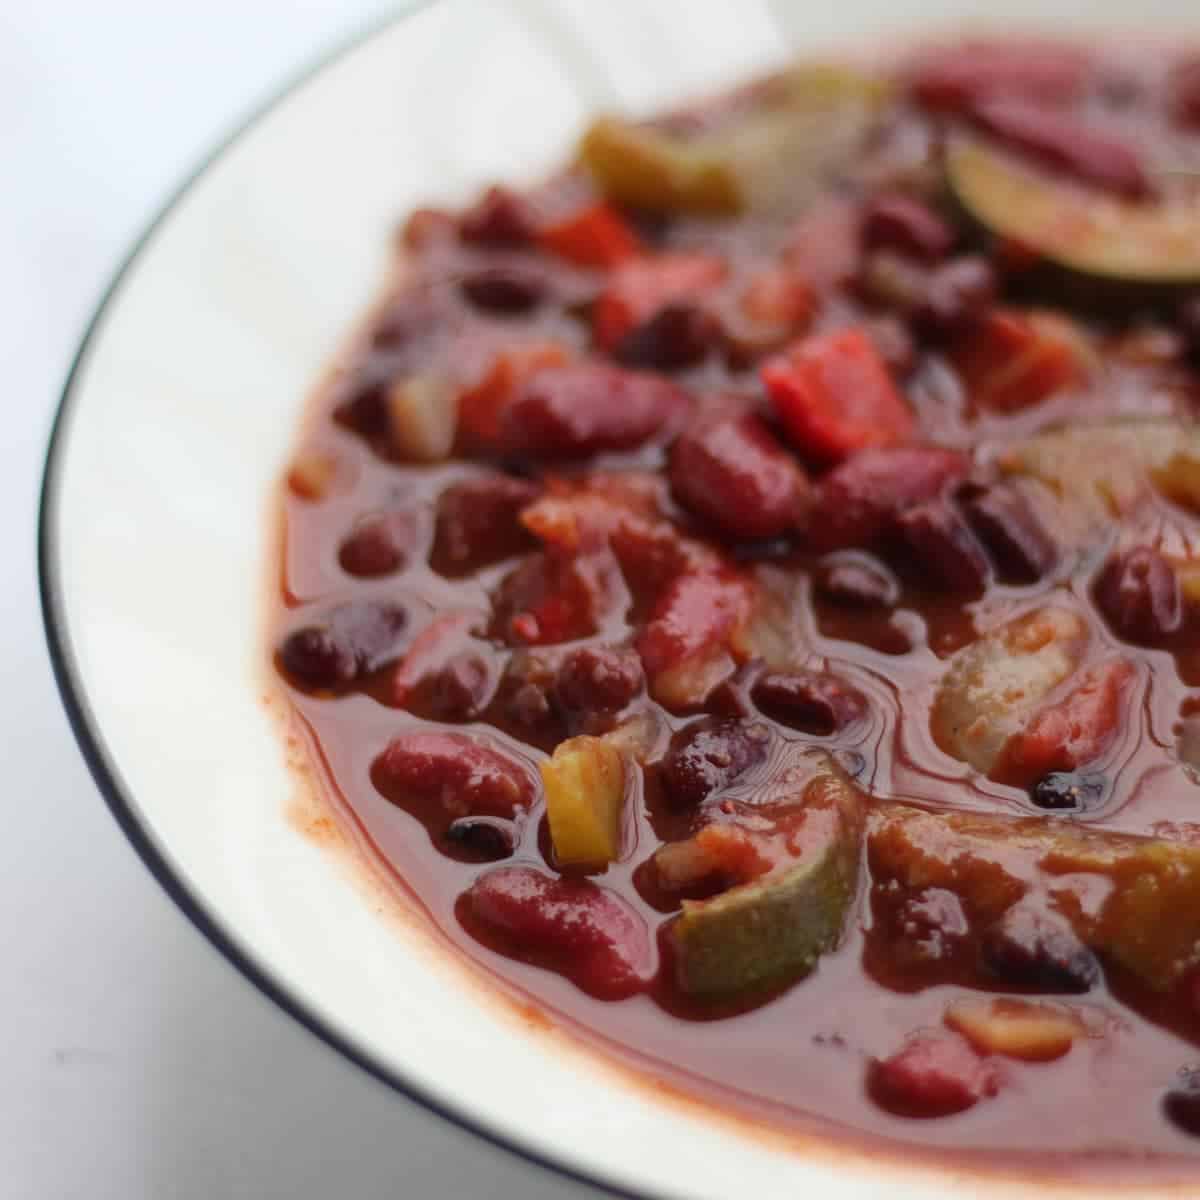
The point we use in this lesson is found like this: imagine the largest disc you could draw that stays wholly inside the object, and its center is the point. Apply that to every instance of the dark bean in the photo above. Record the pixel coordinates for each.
(484, 839)
(1189, 325)
(1184, 94)
(956, 297)
(678, 335)
(1069, 791)
(808, 701)
(378, 544)
(709, 756)
(316, 657)
(349, 642)
(501, 217)
(1038, 949)
(478, 523)
(898, 222)
(1003, 519)
(598, 679)
(945, 550)
(506, 288)
(1181, 1104)
(1139, 595)
(462, 688)
(858, 583)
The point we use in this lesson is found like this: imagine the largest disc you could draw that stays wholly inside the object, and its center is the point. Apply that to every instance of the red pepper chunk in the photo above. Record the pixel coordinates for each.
(834, 395)
(639, 288)
(592, 236)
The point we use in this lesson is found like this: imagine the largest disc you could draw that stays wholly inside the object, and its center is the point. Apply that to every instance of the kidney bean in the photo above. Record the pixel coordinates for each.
(585, 931)
(1189, 325)
(732, 470)
(501, 217)
(482, 839)
(1183, 94)
(451, 774)
(934, 1074)
(861, 498)
(478, 523)
(950, 78)
(576, 411)
(511, 288)
(895, 221)
(1020, 547)
(1036, 948)
(709, 756)
(956, 296)
(345, 644)
(1181, 1102)
(695, 612)
(598, 679)
(378, 544)
(808, 701)
(1139, 595)
(1099, 158)
(679, 335)
(945, 550)
(1069, 791)
(858, 583)
(461, 689)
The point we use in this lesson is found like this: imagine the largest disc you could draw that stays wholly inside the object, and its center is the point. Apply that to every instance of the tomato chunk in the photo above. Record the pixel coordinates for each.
(934, 1074)
(639, 288)
(835, 395)
(592, 236)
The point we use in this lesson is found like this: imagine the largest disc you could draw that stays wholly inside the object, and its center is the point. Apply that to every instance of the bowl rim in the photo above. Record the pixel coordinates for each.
(83, 722)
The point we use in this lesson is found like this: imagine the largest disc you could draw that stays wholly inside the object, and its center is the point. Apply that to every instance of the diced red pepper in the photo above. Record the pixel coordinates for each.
(595, 235)
(1016, 360)
(934, 1074)
(480, 407)
(639, 288)
(835, 395)
(1070, 732)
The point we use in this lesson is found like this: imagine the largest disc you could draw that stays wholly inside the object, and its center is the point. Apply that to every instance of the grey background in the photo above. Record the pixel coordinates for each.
(134, 1062)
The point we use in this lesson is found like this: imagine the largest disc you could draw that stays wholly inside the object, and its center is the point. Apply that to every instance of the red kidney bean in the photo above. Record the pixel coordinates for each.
(510, 288)
(482, 839)
(575, 411)
(501, 217)
(709, 756)
(679, 335)
(548, 598)
(945, 550)
(808, 701)
(732, 470)
(478, 523)
(862, 497)
(378, 544)
(1189, 325)
(858, 583)
(1099, 158)
(1183, 94)
(894, 221)
(956, 296)
(1035, 948)
(433, 773)
(345, 644)
(695, 612)
(576, 927)
(951, 77)
(1181, 1103)
(598, 679)
(1020, 547)
(461, 689)
(1139, 595)
(934, 1074)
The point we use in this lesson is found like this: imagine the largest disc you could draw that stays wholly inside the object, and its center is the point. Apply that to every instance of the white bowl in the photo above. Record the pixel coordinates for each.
(175, 423)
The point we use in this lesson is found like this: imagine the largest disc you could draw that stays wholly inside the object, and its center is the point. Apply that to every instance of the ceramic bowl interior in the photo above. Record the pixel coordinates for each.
(176, 424)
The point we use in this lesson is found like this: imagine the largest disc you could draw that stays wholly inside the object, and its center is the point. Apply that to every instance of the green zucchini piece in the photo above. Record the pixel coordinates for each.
(771, 931)
(810, 121)
(1083, 231)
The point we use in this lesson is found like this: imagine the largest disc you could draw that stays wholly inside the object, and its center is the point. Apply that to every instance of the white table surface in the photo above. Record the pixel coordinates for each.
(134, 1061)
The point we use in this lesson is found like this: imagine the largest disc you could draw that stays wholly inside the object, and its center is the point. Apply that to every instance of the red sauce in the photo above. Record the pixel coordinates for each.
(765, 483)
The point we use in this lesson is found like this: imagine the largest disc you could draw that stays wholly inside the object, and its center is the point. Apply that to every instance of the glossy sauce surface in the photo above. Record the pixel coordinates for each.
(437, 609)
